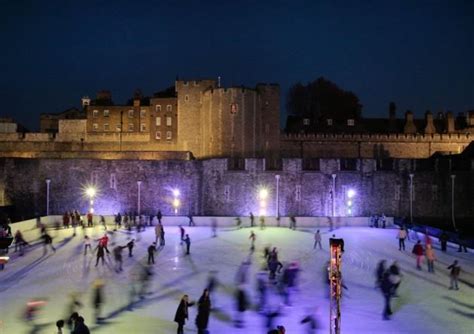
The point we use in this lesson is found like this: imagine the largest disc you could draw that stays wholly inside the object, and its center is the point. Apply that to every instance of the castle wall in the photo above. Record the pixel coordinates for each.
(208, 187)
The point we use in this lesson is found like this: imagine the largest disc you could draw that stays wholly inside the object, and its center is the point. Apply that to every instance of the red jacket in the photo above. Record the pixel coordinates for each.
(418, 250)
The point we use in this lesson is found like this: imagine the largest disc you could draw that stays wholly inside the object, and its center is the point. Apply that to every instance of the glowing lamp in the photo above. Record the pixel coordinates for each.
(176, 192)
(263, 194)
(90, 192)
(351, 193)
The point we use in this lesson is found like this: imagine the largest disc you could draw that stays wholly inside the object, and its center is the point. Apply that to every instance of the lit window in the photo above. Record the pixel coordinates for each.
(158, 121)
(168, 135)
(329, 120)
(142, 113)
(106, 127)
(118, 128)
(130, 113)
(169, 107)
(95, 127)
(142, 127)
(95, 113)
(158, 135)
(106, 113)
(350, 122)
(158, 107)
(130, 127)
(168, 121)
(306, 121)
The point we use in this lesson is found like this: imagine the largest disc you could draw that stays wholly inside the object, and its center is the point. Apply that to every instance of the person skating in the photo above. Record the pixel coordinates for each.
(379, 271)
(90, 219)
(395, 277)
(204, 309)
(241, 305)
(262, 222)
(292, 222)
(181, 232)
(47, 241)
(252, 219)
(252, 238)
(455, 270)
(212, 283)
(158, 232)
(418, 251)
(386, 288)
(151, 253)
(87, 244)
(130, 246)
(66, 220)
(462, 242)
(317, 240)
(98, 298)
(80, 327)
(430, 258)
(162, 235)
(159, 216)
(100, 255)
(19, 242)
(103, 223)
(117, 251)
(443, 239)
(182, 313)
(238, 222)
(402, 235)
(187, 241)
(104, 241)
(191, 221)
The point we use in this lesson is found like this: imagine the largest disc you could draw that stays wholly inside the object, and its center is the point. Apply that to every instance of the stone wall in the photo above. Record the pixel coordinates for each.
(208, 187)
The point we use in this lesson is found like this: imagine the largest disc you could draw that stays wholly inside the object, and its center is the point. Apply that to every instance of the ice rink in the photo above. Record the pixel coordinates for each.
(425, 305)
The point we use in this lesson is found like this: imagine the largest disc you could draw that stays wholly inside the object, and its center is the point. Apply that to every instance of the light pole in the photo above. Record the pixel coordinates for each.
(453, 177)
(176, 202)
(333, 195)
(48, 181)
(411, 197)
(90, 192)
(139, 184)
(277, 177)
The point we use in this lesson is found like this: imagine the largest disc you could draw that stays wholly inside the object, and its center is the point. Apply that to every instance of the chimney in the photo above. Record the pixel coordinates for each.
(410, 127)
(449, 122)
(429, 128)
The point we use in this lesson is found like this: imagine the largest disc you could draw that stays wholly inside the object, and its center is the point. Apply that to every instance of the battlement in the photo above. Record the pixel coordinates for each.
(400, 137)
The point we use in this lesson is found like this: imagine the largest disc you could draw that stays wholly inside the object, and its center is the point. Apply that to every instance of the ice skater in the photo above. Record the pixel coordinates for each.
(181, 232)
(191, 221)
(158, 232)
(238, 222)
(379, 271)
(187, 241)
(386, 288)
(130, 246)
(292, 222)
(100, 255)
(252, 219)
(262, 222)
(317, 240)
(204, 310)
(182, 313)
(455, 270)
(241, 306)
(117, 251)
(159, 216)
(19, 242)
(47, 241)
(418, 251)
(430, 258)
(211, 286)
(402, 235)
(151, 253)
(98, 298)
(252, 238)
(87, 244)
(443, 239)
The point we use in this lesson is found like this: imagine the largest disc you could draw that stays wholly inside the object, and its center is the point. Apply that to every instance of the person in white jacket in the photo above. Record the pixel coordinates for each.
(402, 235)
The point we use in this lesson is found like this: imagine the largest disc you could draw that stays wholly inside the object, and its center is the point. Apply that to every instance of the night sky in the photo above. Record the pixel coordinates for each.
(416, 53)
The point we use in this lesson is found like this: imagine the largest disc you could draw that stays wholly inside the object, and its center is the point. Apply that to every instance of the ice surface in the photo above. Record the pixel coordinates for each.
(425, 304)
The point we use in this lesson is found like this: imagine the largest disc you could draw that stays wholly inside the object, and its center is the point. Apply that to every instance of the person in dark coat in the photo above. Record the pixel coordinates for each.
(47, 240)
(151, 253)
(159, 216)
(98, 298)
(443, 239)
(182, 313)
(387, 288)
(242, 304)
(462, 242)
(80, 327)
(204, 309)
(381, 268)
(187, 241)
(100, 255)
(130, 246)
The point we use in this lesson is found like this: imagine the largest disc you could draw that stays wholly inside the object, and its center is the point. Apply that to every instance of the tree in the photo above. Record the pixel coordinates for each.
(322, 99)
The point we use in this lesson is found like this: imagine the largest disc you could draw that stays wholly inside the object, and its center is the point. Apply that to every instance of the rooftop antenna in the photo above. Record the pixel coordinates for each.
(219, 82)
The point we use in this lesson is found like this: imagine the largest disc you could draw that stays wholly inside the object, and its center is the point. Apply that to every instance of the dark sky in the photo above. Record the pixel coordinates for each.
(416, 53)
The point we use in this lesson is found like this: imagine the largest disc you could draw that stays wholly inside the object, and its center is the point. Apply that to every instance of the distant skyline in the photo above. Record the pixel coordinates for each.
(418, 54)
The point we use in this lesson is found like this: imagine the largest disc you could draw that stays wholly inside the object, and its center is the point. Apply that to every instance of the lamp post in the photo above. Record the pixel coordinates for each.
(262, 196)
(176, 202)
(90, 192)
(48, 181)
(277, 177)
(333, 195)
(453, 177)
(139, 184)
(411, 197)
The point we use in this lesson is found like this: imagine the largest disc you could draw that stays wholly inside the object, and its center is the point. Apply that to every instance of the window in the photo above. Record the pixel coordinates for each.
(384, 164)
(298, 193)
(130, 127)
(348, 164)
(118, 128)
(95, 113)
(158, 135)
(113, 181)
(186, 98)
(311, 164)
(95, 127)
(142, 127)
(158, 107)
(168, 121)
(142, 113)
(306, 121)
(158, 121)
(106, 113)
(130, 114)
(227, 193)
(350, 122)
(106, 127)
(329, 121)
(168, 135)
(169, 107)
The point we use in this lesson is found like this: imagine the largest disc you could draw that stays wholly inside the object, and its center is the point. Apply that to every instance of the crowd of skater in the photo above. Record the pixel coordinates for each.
(275, 277)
